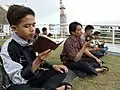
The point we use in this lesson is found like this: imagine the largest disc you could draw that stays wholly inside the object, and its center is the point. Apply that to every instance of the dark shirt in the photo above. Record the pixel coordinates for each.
(71, 47)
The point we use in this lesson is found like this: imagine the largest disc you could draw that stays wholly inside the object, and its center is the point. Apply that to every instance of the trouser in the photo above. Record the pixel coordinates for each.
(25, 87)
(100, 52)
(86, 65)
(48, 79)
(104, 50)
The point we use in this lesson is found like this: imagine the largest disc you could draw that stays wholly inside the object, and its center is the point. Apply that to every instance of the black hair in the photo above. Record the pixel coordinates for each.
(44, 29)
(72, 26)
(96, 33)
(49, 35)
(17, 12)
(88, 27)
(37, 30)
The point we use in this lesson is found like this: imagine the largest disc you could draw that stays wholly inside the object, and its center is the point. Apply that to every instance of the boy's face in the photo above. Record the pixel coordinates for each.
(97, 36)
(26, 28)
(89, 32)
(78, 32)
(45, 32)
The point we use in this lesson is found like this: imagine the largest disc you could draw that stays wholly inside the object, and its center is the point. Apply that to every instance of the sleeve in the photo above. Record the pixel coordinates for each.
(26, 72)
(47, 65)
(13, 69)
(17, 74)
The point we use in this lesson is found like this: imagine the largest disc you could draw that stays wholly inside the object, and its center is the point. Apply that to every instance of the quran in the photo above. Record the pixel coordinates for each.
(44, 43)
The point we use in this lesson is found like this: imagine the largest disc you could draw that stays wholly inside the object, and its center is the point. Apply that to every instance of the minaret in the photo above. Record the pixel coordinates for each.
(62, 13)
(63, 21)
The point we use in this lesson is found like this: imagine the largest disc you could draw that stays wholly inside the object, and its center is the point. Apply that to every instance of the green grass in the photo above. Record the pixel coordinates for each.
(2, 41)
(106, 81)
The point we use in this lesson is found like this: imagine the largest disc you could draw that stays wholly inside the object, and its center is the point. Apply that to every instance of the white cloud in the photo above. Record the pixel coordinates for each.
(47, 11)
(93, 11)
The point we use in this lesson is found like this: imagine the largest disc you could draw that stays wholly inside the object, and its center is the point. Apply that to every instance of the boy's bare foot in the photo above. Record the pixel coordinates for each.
(64, 87)
(102, 69)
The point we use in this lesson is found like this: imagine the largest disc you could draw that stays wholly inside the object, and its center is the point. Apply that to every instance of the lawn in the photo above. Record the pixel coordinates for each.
(106, 81)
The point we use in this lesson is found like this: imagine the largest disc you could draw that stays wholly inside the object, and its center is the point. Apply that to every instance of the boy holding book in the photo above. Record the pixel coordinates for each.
(25, 70)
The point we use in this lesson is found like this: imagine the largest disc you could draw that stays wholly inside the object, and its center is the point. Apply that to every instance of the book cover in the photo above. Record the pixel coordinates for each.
(43, 43)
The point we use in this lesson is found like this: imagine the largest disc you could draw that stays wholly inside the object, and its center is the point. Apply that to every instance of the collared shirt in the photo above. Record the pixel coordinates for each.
(71, 47)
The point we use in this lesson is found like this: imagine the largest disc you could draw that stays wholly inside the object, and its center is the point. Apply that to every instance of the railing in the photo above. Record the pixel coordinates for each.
(110, 33)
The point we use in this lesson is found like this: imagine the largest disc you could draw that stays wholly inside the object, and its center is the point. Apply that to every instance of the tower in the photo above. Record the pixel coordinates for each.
(63, 21)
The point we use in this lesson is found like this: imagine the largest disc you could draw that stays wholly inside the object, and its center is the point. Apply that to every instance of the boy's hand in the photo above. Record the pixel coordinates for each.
(99, 61)
(44, 54)
(40, 58)
(60, 68)
(86, 44)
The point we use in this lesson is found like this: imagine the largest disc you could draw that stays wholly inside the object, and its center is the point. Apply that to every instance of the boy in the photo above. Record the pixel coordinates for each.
(25, 70)
(37, 32)
(44, 30)
(88, 31)
(97, 46)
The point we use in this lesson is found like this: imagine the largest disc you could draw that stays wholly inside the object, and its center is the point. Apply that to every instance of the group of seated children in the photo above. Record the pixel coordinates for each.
(76, 55)
(97, 46)
(27, 71)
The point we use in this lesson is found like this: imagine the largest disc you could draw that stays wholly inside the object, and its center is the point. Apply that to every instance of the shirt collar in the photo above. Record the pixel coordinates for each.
(19, 40)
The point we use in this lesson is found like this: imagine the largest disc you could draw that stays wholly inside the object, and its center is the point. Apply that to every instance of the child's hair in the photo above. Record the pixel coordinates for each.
(37, 30)
(72, 26)
(96, 33)
(17, 12)
(88, 27)
(44, 29)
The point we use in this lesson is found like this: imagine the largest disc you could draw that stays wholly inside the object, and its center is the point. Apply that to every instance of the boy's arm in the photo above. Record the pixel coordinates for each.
(92, 56)
(94, 49)
(15, 70)
(40, 64)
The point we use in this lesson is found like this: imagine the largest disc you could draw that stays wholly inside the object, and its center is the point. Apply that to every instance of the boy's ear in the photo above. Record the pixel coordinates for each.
(72, 32)
(13, 27)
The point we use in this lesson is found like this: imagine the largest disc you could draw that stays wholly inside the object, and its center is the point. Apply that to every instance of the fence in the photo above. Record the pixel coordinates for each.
(110, 33)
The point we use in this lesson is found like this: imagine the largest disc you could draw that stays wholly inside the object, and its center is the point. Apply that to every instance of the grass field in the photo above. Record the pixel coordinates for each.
(106, 81)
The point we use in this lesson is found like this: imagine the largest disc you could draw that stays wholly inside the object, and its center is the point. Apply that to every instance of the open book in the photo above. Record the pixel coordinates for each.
(43, 43)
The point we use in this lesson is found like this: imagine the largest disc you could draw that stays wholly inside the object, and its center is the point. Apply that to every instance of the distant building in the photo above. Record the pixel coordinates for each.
(3, 10)
(63, 21)
(4, 26)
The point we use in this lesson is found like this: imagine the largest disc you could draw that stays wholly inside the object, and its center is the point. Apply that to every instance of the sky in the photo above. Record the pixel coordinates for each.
(83, 11)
